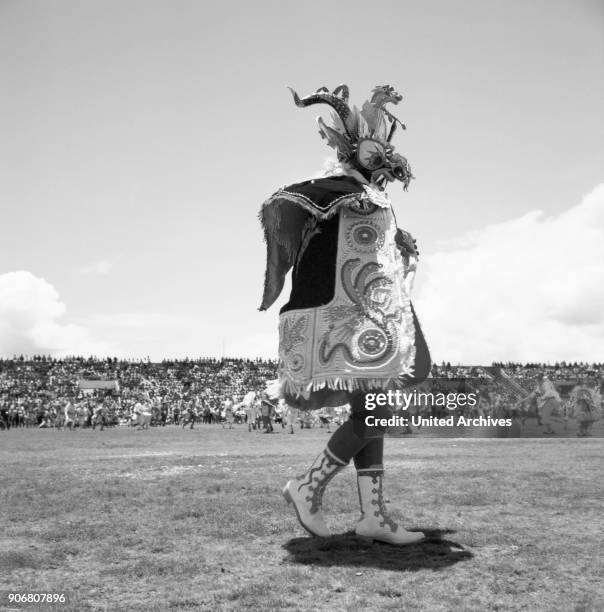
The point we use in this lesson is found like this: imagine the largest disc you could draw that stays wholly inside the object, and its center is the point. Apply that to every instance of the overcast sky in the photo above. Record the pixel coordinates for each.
(139, 139)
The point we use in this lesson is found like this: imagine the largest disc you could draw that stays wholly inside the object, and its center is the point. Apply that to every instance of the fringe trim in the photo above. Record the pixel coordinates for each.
(270, 215)
(306, 203)
(290, 239)
(339, 383)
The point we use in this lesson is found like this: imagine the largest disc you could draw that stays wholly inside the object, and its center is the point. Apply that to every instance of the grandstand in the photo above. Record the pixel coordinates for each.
(34, 383)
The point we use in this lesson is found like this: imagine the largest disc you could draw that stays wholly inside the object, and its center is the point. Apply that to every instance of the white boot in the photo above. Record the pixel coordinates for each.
(306, 493)
(375, 523)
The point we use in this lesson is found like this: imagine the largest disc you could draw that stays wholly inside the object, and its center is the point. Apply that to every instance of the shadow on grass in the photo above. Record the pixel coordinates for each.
(435, 552)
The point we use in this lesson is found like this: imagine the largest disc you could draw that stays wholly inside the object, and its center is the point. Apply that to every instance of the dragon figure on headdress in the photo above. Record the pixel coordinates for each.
(363, 138)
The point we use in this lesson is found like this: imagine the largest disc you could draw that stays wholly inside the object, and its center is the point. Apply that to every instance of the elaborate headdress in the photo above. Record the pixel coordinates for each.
(362, 138)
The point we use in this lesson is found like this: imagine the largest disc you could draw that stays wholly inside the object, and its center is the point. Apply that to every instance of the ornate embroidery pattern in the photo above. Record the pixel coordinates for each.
(322, 212)
(296, 362)
(378, 198)
(370, 293)
(365, 336)
(363, 206)
(347, 318)
(293, 333)
(365, 237)
(372, 341)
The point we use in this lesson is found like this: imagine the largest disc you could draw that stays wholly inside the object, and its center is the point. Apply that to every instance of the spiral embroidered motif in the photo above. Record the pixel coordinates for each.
(370, 291)
(365, 237)
(296, 362)
(372, 342)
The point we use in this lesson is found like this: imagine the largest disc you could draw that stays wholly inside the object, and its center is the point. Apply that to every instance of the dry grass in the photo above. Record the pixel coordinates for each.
(194, 520)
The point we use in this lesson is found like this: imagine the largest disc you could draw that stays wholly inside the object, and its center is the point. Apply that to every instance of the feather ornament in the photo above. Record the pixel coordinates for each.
(334, 139)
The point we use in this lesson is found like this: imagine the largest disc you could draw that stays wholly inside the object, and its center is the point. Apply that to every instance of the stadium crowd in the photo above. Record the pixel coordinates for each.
(35, 391)
(34, 385)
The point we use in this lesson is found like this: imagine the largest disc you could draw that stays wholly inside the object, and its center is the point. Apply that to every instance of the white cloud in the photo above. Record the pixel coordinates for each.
(101, 267)
(31, 322)
(530, 289)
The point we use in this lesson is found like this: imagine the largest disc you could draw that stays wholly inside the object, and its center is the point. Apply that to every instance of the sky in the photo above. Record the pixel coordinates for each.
(140, 138)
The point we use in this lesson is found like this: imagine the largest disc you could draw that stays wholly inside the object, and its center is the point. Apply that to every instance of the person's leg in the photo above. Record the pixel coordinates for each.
(306, 491)
(371, 457)
(375, 522)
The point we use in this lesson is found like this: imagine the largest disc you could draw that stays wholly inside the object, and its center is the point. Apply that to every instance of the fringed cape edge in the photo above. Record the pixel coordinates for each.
(285, 215)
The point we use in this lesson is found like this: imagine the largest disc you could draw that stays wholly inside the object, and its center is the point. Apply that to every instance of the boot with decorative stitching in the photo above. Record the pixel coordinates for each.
(306, 492)
(375, 523)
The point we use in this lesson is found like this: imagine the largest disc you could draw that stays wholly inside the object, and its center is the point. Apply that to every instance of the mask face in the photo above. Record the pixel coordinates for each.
(378, 161)
(400, 168)
(372, 154)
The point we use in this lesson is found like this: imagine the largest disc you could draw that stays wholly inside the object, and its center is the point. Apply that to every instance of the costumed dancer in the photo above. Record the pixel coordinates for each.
(289, 414)
(349, 327)
(228, 413)
(584, 406)
(267, 411)
(69, 411)
(249, 409)
(292, 417)
(549, 405)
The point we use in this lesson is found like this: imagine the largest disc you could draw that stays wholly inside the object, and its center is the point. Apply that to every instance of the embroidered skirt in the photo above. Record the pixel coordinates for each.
(365, 337)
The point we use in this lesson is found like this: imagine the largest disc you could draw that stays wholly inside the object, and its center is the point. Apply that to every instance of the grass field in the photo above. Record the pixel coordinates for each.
(172, 519)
